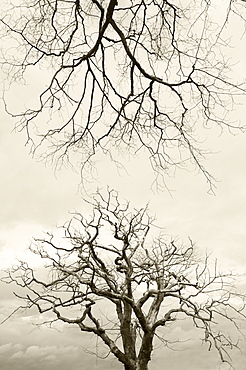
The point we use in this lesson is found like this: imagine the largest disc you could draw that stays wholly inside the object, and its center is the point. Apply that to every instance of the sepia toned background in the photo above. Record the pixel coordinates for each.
(35, 198)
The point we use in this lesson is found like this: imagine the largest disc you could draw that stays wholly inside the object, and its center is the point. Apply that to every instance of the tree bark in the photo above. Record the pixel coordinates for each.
(145, 351)
(142, 367)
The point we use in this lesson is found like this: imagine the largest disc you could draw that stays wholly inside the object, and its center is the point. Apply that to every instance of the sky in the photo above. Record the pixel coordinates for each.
(34, 199)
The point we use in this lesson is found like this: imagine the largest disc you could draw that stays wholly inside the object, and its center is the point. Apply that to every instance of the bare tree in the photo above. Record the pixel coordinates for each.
(123, 76)
(113, 277)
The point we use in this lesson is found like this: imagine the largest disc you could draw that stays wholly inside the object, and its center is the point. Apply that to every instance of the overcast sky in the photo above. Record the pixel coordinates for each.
(33, 199)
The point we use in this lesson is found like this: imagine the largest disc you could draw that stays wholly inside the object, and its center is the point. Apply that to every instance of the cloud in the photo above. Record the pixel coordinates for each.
(49, 353)
(53, 357)
(5, 348)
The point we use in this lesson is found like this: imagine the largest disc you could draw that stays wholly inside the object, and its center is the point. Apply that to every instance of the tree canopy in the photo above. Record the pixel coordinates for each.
(122, 77)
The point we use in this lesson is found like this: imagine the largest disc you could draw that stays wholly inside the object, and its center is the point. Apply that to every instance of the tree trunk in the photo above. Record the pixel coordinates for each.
(137, 367)
(145, 351)
(142, 367)
(126, 367)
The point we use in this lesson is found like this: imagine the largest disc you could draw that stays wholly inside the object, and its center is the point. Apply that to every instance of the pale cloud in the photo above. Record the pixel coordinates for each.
(50, 353)
(5, 347)
(18, 355)
(48, 357)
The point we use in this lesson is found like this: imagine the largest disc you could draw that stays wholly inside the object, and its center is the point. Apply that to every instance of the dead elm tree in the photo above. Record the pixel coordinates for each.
(113, 277)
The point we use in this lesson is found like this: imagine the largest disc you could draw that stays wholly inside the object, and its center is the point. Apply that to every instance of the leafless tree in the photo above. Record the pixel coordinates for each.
(123, 76)
(113, 277)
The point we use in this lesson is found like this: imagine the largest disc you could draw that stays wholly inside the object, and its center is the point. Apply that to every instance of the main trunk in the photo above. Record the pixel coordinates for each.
(129, 367)
(145, 351)
(142, 367)
(137, 367)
